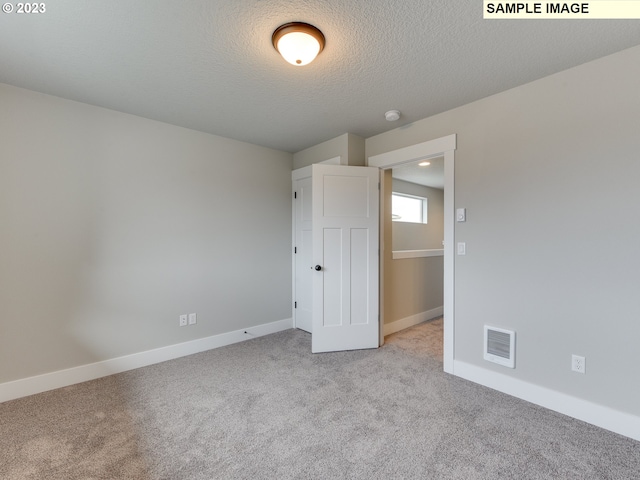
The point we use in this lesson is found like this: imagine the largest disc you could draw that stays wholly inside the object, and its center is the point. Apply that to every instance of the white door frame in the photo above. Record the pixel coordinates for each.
(444, 146)
(299, 174)
(295, 175)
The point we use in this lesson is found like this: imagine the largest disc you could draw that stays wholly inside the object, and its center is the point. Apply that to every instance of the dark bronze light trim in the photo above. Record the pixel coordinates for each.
(297, 27)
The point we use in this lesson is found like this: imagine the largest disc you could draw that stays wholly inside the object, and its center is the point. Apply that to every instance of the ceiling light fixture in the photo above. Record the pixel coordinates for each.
(298, 43)
(424, 164)
(392, 115)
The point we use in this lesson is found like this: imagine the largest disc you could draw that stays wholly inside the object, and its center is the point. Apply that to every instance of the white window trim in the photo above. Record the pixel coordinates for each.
(425, 207)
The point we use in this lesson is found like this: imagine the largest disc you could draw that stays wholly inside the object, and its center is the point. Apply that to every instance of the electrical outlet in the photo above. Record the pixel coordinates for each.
(578, 364)
(193, 319)
(183, 320)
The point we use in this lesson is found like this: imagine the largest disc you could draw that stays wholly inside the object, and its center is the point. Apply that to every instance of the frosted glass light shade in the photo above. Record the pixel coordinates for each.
(298, 48)
(298, 43)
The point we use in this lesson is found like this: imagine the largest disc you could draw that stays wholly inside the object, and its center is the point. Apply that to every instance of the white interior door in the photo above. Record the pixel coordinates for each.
(345, 257)
(302, 252)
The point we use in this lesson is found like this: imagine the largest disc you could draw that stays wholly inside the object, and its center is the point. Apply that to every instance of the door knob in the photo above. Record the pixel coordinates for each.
(318, 268)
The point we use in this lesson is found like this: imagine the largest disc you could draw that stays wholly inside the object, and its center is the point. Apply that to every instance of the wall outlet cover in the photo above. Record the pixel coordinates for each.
(578, 364)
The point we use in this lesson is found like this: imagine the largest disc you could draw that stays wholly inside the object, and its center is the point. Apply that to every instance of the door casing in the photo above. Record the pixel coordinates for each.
(445, 147)
(297, 175)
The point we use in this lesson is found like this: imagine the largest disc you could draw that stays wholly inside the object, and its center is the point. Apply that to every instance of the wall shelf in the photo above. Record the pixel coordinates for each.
(436, 252)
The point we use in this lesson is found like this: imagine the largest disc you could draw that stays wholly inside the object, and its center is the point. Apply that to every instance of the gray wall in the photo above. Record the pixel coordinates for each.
(112, 225)
(420, 236)
(349, 147)
(549, 174)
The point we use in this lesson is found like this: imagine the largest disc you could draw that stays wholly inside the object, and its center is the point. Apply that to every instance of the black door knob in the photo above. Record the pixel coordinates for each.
(318, 268)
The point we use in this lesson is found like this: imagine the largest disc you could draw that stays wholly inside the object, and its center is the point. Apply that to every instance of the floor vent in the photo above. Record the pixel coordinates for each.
(500, 346)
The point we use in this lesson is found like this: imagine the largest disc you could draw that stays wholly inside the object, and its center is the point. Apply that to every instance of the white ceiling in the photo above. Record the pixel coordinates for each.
(431, 175)
(209, 64)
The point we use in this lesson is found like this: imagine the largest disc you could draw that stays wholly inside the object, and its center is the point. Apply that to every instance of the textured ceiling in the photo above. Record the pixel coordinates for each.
(210, 66)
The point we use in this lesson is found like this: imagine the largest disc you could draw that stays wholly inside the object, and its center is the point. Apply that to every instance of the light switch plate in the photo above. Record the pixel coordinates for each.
(461, 215)
(462, 248)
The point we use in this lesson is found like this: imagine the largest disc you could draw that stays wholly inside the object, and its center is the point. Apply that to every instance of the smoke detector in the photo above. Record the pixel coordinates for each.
(392, 115)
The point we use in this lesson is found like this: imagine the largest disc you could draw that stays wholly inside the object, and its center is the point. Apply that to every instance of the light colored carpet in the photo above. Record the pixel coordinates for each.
(269, 409)
(423, 340)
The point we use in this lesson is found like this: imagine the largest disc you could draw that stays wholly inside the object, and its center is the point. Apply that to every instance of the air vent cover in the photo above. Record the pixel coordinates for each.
(499, 346)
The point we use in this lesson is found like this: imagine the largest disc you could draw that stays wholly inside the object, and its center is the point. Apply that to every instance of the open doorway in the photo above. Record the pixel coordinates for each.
(413, 225)
(442, 147)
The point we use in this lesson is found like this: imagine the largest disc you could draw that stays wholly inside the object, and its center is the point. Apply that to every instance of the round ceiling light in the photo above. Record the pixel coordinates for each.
(298, 43)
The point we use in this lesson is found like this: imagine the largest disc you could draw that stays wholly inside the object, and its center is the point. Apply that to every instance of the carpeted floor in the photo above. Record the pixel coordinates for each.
(269, 409)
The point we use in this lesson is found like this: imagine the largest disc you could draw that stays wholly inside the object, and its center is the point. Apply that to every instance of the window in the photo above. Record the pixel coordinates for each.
(407, 208)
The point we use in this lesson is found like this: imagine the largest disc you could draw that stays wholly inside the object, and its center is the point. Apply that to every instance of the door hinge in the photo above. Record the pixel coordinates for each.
(295, 194)
(295, 304)
(295, 249)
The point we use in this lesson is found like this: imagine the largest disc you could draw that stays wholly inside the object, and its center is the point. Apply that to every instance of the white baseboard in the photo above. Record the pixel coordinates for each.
(407, 322)
(64, 378)
(601, 416)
